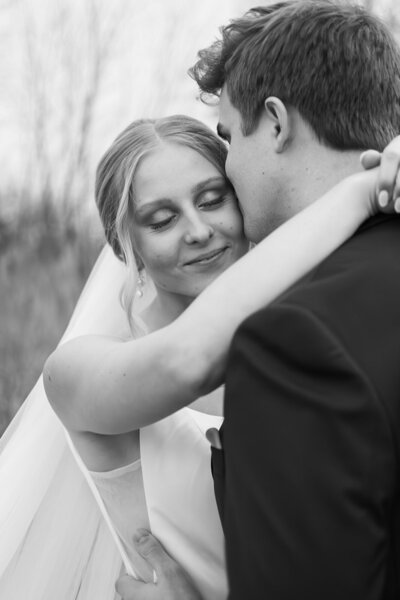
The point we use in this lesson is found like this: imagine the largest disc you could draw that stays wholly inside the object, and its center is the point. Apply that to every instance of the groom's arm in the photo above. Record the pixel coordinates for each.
(309, 465)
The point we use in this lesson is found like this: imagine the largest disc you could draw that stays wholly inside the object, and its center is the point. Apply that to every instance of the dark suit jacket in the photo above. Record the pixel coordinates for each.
(308, 483)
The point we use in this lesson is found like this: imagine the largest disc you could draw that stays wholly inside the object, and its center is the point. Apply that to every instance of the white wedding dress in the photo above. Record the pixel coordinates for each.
(57, 541)
(180, 497)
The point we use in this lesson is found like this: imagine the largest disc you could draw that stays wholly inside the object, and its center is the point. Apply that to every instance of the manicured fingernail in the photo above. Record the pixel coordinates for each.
(397, 205)
(383, 198)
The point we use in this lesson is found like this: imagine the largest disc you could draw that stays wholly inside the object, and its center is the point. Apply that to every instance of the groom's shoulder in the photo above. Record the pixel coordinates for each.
(358, 283)
(366, 267)
(347, 309)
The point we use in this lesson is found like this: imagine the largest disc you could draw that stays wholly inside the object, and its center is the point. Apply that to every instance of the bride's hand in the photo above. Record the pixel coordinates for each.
(388, 179)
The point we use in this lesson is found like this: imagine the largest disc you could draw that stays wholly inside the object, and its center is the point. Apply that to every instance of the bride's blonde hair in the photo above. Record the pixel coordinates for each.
(116, 172)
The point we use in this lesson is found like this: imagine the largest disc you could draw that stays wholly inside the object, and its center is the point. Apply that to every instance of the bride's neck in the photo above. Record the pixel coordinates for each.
(164, 309)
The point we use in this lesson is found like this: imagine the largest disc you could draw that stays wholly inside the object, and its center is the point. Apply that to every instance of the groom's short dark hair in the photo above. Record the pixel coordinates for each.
(336, 64)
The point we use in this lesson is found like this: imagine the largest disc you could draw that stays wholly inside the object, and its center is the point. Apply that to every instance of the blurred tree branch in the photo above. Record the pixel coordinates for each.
(64, 70)
(100, 40)
(73, 52)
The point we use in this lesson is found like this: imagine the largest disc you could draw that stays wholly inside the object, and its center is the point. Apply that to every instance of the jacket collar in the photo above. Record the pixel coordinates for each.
(376, 220)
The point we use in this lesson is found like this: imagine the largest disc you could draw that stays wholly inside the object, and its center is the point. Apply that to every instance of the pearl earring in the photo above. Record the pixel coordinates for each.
(140, 285)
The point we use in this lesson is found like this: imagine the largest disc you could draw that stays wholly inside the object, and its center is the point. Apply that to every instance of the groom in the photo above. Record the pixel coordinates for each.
(308, 479)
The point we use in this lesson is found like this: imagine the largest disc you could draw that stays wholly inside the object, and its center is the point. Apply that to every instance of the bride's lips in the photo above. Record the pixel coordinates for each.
(207, 257)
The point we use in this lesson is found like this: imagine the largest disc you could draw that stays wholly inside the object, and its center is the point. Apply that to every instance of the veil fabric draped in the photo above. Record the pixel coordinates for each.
(54, 542)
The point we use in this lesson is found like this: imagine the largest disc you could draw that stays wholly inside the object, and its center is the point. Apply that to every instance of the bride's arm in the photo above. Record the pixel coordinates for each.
(103, 385)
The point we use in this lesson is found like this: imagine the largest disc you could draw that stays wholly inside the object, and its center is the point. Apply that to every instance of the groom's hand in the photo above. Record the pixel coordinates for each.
(173, 583)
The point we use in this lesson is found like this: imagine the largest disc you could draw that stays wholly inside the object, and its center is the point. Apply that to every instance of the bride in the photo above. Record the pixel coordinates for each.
(131, 455)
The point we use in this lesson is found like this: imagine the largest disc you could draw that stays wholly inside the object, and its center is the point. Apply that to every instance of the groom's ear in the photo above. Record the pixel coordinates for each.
(277, 113)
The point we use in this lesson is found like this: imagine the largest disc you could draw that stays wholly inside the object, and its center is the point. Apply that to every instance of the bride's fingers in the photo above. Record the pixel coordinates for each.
(396, 194)
(370, 159)
(388, 186)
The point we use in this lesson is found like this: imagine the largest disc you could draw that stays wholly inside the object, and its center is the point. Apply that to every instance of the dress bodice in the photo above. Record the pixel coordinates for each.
(174, 488)
(180, 496)
(170, 491)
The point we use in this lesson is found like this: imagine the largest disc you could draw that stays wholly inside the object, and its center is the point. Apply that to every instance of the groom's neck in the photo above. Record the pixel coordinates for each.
(311, 168)
(318, 170)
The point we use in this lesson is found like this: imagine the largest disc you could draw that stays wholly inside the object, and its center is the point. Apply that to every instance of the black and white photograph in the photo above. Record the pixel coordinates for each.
(200, 300)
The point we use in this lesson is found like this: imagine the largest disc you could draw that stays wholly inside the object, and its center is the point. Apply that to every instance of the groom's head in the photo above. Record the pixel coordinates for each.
(301, 84)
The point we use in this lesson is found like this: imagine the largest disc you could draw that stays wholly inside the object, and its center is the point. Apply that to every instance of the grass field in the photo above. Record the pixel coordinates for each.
(40, 280)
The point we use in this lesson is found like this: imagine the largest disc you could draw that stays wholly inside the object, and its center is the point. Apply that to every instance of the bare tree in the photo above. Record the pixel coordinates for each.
(101, 34)
(66, 60)
(39, 173)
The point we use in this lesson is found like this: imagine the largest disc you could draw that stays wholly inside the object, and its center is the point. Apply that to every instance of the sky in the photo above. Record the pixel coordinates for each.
(101, 63)
(48, 64)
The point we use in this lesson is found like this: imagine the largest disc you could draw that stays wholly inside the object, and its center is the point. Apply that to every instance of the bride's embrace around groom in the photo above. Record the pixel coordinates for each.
(305, 466)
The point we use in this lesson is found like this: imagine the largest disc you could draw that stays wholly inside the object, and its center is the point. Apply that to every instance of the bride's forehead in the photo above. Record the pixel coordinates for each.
(168, 154)
(171, 168)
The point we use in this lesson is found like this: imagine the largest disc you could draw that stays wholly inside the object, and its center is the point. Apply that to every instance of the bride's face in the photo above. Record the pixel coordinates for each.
(187, 227)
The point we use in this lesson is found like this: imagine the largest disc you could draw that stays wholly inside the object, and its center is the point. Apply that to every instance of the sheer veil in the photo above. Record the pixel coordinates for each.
(54, 542)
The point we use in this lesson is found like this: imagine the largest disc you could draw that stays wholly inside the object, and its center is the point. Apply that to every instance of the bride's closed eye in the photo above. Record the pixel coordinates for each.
(215, 198)
(161, 219)
(210, 201)
(161, 224)
(215, 202)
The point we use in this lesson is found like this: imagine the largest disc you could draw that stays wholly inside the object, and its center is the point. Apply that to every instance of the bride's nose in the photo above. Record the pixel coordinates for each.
(198, 230)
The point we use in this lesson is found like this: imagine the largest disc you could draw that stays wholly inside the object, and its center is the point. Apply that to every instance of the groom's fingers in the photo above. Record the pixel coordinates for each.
(129, 588)
(173, 582)
(152, 551)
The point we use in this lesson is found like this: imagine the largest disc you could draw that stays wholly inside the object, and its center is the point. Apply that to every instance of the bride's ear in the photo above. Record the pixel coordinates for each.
(277, 113)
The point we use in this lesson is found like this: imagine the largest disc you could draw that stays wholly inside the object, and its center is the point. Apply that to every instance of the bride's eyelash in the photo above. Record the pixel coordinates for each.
(214, 202)
(161, 224)
(204, 204)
